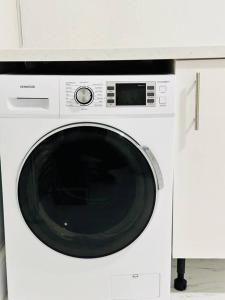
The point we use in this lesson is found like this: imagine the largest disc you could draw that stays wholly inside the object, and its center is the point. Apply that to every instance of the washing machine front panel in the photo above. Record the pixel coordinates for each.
(87, 190)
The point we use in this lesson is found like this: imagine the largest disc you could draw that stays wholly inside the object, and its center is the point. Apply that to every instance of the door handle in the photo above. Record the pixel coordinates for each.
(155, 166)
(197, 100)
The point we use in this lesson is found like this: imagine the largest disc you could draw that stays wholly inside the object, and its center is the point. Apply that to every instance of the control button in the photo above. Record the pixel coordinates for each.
(150, 100)
(151, 94)
(83, 95)
(110, 94)
(150, 87)
(162, 100)
(110, 101)
(110, 88)
(162, 88)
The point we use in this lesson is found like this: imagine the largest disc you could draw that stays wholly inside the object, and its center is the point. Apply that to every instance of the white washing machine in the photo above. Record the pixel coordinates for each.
(87, 185)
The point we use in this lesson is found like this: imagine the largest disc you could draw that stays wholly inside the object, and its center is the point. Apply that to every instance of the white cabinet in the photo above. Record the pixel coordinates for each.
(85, 24)
(199, 183)
(9, 31)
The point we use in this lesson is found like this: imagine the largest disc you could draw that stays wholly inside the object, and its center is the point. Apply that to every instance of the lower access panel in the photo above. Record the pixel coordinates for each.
(135, 286)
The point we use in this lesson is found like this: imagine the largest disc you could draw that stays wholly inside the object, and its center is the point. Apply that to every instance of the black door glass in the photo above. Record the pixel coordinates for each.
(86, 191)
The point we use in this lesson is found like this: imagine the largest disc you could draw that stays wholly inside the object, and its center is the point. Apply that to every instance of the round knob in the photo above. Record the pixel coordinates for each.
(83, 95)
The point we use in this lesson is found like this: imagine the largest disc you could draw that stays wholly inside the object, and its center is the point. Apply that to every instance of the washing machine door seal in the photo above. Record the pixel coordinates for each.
(87, 190)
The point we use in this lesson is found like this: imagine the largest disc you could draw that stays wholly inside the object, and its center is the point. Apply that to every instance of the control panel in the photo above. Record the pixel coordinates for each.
(116, 94)
(80, 95)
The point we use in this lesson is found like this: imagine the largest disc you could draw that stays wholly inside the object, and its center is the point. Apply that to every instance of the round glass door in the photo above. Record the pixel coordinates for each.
(86, 190)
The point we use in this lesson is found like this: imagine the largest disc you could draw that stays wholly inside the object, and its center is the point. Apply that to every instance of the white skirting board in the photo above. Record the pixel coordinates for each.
(3, 284)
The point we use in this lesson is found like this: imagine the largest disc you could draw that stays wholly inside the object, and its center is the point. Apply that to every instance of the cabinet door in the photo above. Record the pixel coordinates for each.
(199, 183)
(9, 31)
(101, 24)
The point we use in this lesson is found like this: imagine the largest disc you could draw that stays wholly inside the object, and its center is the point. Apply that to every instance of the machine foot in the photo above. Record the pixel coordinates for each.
(180, 283)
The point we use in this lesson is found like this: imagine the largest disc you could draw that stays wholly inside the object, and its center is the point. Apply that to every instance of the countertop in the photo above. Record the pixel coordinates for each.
(179, 53)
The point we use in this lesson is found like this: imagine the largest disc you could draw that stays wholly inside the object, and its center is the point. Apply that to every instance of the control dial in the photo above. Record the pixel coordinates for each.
(83, 95)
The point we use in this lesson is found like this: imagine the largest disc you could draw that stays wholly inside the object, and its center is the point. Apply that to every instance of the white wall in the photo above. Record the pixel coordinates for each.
(122, 23)
(3, 288)
(9, 37)
(2, 238)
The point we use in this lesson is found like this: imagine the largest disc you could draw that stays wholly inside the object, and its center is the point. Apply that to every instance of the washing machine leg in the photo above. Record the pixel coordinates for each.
(180, 283)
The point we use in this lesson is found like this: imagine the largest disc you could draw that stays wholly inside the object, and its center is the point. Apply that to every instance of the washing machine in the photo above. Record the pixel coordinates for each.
(87, 168)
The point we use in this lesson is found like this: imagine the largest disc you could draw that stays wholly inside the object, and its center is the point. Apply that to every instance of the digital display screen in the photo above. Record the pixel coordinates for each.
(130, 93)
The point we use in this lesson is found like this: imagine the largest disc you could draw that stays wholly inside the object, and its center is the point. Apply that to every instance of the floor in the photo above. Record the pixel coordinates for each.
(206, 280)
(200, 296)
